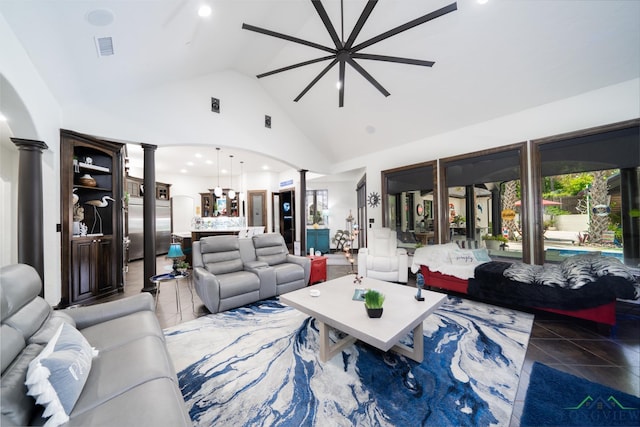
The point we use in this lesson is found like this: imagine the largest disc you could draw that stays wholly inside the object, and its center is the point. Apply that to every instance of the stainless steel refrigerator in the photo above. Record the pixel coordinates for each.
(135, 222)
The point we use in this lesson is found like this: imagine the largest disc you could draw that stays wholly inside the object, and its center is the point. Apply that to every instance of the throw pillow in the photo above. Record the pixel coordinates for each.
(57, 375)
(462, 256)
(551, 275)
(577, 270)
(609, 266)
(481, 255)
(521, 272)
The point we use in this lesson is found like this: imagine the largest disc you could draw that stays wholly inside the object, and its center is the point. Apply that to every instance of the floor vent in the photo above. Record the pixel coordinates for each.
(104, 46)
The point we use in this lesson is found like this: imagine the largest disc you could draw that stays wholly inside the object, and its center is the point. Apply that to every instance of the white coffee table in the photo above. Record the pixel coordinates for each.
(335, 308)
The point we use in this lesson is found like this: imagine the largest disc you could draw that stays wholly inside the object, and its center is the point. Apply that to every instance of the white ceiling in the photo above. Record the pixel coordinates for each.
(490, 60)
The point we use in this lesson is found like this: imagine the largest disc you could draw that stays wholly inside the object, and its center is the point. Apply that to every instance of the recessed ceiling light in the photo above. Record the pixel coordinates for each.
(100, 17)
(189, 163)
(204, 11)
(198, 155)
(183, 171)
(209, 162)
(265, 167)
(482, 1)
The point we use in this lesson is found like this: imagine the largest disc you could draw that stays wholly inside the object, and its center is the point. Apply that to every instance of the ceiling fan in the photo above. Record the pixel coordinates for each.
(346, 52)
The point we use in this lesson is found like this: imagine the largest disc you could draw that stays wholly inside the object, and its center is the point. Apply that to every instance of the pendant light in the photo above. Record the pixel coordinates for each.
(218, 190)
(232, 194)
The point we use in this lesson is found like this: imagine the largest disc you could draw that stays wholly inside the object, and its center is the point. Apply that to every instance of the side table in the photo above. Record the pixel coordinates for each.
(160, 278)
(318, 269)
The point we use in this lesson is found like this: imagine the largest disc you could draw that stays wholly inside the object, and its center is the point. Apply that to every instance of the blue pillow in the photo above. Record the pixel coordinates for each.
(56, 377)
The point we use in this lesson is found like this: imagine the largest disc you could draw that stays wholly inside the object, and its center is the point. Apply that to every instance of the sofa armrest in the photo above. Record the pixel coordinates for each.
(362, 261)
(303, 262)
(403, 265)
(207, 287)
(99, 313)
(267, 275)
(250, 265)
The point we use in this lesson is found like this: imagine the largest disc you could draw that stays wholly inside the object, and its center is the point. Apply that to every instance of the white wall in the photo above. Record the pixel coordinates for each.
(187, 119)
(36, 116)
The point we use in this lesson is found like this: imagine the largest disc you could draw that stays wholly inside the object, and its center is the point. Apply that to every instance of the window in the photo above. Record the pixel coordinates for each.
(317, 207)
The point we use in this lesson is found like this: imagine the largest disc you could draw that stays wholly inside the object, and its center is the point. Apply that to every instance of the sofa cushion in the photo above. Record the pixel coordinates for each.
(221, 254)
(288, 272)
(238, 283)
(58, 374)
(270, 248)
(16, 404)
(382, 263)
(120, 369)
(154, 403)
(122, 330)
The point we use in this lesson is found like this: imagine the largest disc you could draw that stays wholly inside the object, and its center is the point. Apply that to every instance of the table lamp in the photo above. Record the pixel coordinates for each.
(175, 252)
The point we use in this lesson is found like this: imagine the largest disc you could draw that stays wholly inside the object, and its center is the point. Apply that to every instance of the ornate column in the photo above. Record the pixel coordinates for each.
(30, 216)
(149, 215)
(302, 210)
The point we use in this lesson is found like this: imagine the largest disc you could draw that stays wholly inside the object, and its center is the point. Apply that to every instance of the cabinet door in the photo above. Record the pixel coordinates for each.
(323, 240)
(82, 269)
(104, 280)
(312, 240)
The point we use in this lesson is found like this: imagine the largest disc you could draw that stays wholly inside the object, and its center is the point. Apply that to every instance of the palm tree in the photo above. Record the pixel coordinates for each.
(509, 200)
(598, 194)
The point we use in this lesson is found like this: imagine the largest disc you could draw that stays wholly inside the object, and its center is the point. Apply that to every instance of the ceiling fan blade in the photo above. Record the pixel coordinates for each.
(341, 80)
(314, 81)
(291, 67)
(418, 21)
(363, 18)
(393, 59)
(327, 23)
(367, 76)
(286, 37)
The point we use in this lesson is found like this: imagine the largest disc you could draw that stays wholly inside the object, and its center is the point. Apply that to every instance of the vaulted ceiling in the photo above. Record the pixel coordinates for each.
(490, 60)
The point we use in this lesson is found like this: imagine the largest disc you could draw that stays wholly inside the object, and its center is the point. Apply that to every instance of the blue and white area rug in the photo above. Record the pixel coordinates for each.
(259, 365)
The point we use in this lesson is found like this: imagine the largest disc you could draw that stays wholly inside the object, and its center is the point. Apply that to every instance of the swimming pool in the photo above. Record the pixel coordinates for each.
(562, 252)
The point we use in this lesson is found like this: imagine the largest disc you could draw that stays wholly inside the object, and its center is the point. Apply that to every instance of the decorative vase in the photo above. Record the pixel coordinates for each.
(374, 313)
(87, 180)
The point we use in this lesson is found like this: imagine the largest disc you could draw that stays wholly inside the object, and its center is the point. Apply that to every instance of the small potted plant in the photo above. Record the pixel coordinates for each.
(373, 301)
(182, 267)
(494, 242)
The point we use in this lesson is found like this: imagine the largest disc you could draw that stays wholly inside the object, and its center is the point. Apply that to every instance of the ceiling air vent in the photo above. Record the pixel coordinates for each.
(104, 46)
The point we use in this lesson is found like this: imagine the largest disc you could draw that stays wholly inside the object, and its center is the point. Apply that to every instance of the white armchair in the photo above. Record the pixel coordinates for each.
(382, 259)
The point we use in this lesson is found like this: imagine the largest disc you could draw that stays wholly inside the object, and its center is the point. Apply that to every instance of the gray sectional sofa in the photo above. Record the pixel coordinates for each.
(130, 382)
(229, 272)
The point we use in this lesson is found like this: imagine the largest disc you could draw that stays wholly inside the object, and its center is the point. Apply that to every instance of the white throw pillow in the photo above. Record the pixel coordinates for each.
(56, 377)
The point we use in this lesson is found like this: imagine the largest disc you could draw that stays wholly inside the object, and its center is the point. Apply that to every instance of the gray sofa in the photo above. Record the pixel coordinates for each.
(131, 381)
(230, 272)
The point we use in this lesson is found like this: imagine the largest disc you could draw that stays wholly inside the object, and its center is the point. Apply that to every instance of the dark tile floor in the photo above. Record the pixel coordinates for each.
(577, 347)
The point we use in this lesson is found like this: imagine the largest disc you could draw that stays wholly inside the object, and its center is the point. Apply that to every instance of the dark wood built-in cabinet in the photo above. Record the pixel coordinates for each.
(209, 204)
(92, 264)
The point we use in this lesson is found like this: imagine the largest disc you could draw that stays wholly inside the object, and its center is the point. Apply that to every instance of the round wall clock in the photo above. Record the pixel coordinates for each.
(374, 199)
(420, 210)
